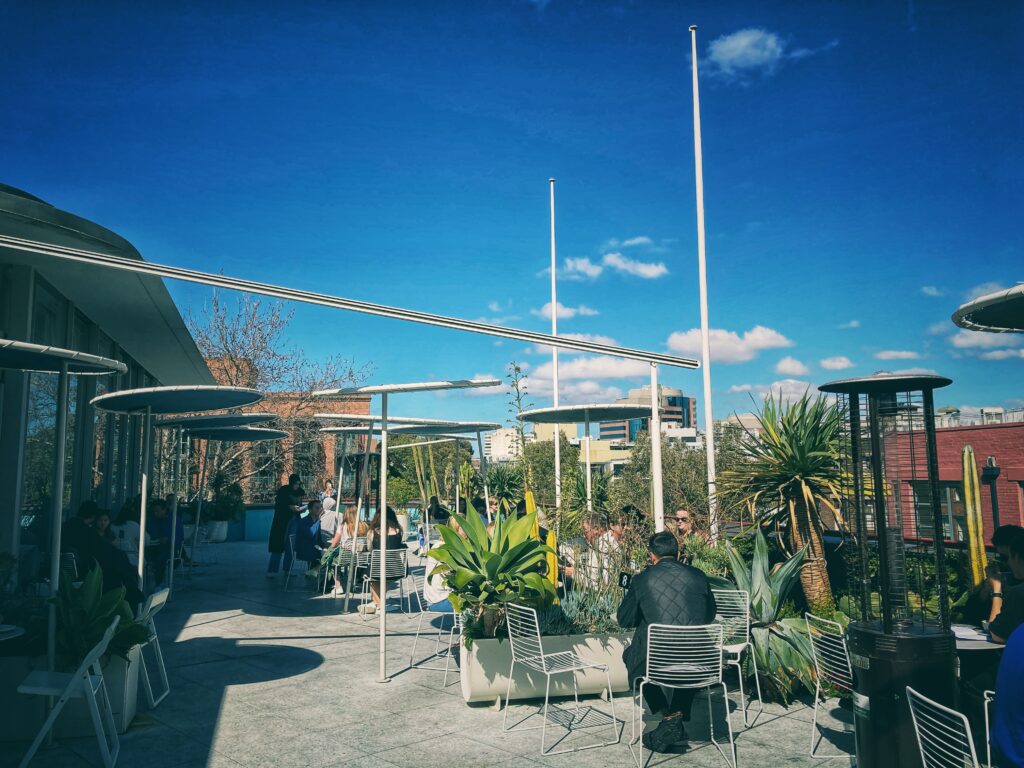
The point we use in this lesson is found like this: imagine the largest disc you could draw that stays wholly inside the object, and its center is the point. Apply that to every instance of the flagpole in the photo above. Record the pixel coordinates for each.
(554, 352)
(705, 343)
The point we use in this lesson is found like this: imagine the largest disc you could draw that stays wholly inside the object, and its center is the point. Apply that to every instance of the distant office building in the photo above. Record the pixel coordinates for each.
(954, 417)
(677, 410)
(746, 421)
(502, 445)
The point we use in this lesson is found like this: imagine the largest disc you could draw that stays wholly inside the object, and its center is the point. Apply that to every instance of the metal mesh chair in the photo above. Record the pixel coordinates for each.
(456, 630)
(85, 682)
(527, 650)
(943, 734)
(346, 559)
(68, 567)
(154, 603)
(990, 697)
(734, 616)
(684, 657)
(831, 666)
(396, 568)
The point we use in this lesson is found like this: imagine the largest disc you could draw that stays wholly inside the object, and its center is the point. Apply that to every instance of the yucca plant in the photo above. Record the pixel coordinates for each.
(782, 649)
(789, 473)
(505, 485)
(487, 570)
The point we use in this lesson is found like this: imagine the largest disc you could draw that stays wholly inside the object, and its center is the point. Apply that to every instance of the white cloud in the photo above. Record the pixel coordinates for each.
(837, 363)
(984, 289)
(597, 338)
(645, 269)
(494, 306)
(789, 389)
(482, 391)
(573, 392)
(740, 55)
(931, 290)
(564, 312)
(595, 367)
(850, 325)
(639, 240)
(790, 366)
(965, 339)
(729, 346)
(741, 388)
(581, 268)
(897, 354)
(937, 329)
(1002, 354)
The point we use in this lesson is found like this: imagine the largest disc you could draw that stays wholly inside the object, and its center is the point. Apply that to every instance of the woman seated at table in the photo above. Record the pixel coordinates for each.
(394, 539)
(127, 532)
(341, 543)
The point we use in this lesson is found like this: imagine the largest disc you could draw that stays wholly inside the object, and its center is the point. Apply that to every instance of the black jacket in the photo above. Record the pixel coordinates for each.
(667, 592)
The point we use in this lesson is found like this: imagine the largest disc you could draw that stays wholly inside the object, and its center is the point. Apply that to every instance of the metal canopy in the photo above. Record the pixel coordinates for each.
(447, 430)
(350, 430)
(423, 386)
(1000, 312)
(215, 420)
(36, 358)
(569, 414)
(885, 383)
(173, 400)
(238, 434)
(367, 418)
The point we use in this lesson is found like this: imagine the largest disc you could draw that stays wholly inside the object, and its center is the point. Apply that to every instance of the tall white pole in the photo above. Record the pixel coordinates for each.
(554, 351)
(483, 472)
(147, 438)
(705, 343)
(382, 511)
(176, 432)
(586, 436)
(361, 484)
(658, 492)
(197, 517)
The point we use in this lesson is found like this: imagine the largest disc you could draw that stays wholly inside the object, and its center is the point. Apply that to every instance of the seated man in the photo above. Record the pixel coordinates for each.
(1007, 735)
(306, 529)
(1011, 614)
(666, 592)
(1001, 538)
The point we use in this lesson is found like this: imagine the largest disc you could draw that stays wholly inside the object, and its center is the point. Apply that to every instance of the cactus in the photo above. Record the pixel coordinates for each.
(975, 526)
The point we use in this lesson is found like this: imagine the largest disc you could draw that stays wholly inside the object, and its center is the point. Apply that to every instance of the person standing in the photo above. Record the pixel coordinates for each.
(287, 504)
(666, 592)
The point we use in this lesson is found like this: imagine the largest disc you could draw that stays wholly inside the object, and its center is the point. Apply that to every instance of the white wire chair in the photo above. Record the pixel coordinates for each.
(85, 682)
(943, 734)
(528, 651)
(455, 631)
(68, 567)
(683, 658)
(734, 616)
(990, 697)
(396, 568)
(154, 603)
(345, 559)
(831, 666)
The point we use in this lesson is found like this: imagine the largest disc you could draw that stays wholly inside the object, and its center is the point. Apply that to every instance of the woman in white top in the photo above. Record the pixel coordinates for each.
(341, 542)
(127, 532)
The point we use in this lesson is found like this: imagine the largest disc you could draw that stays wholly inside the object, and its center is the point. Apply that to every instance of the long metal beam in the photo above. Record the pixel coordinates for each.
(337, 302)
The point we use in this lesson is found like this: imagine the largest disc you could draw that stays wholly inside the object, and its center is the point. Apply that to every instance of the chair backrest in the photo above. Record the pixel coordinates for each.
(831, 657)
(524, 632)
(69, 567)
(684, 657)
(291, 546)
(153, 604)
(395, 563)
(943, 734)
(733, 614)
(93, 657)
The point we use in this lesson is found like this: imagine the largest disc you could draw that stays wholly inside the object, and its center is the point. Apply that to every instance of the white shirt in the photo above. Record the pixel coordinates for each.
(126, 538)
(434, 588)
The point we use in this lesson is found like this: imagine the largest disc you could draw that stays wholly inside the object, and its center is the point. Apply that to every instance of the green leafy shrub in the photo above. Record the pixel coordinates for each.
(83, 615)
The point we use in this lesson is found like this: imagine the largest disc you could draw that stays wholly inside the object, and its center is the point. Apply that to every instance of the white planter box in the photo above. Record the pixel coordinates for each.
(218, 531)
(122, 681)
(403, 523)
(484, 668)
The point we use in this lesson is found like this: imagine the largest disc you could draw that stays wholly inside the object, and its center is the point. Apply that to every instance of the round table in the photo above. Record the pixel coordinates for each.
(971, 644)
(12, 634)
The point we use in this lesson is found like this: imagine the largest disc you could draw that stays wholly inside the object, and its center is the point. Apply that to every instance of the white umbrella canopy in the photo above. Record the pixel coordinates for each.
(999, 312)
(37, 358)
(215, 420)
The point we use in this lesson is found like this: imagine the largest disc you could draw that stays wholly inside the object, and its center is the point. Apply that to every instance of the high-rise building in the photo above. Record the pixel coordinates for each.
(677, 410)
(502, 445)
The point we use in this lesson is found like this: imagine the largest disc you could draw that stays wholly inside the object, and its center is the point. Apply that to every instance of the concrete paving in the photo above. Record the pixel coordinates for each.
(264, 677)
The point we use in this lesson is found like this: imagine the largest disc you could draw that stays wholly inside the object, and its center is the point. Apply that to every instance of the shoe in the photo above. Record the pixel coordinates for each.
(368, 609)
(668, 733)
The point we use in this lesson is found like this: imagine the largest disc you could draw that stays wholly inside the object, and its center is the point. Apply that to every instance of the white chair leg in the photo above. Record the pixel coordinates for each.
(757, 683)
(743, 698)
(97, 723)
(544, 725)
(638, 708)
(728, 722)
(508, 693)
(448, 656)
(814, 719)
(161, 669)
(45, 729)
(611, 705)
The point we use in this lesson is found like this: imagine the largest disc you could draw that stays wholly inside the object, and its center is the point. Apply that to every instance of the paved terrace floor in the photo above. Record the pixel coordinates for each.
(263, 677)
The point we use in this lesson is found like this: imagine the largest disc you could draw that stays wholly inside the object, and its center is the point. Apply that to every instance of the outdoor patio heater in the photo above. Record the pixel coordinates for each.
(900, 634)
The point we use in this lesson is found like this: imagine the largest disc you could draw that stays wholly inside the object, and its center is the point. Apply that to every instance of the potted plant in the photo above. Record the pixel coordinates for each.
(227, 505)
(83, 615)
(488, 570)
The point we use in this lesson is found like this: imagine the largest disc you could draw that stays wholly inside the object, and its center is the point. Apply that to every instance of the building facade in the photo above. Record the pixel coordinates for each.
(677, 410)
(502, 445)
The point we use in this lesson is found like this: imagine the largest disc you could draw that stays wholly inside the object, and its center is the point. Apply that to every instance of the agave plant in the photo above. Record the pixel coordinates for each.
(577, 501)
(782, 650)
(505, 484)
(791, 473)
(487, 570)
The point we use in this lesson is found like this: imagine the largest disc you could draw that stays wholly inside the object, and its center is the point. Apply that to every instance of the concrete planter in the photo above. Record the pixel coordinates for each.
(403, 523)
(217, 531)
(121, 678)
(484, 668)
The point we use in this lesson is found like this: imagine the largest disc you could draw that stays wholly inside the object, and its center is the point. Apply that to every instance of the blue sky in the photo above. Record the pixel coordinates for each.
(863, 170)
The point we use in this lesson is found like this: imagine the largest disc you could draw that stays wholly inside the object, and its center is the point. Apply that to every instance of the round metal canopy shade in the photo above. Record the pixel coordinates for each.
(36, 358)
(216, 420)
(367, 418)
(172, 400)
(570, 414)
(885, 383)
(239, 434)
(1000, 312)
(441, 430)
(423, 386)
(350, 430)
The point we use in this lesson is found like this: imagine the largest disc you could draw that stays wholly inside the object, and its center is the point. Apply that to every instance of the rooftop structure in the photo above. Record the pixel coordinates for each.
(677, 410)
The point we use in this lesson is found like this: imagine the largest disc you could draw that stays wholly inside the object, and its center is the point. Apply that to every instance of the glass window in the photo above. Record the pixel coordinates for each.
(49, 310)
(951, 502)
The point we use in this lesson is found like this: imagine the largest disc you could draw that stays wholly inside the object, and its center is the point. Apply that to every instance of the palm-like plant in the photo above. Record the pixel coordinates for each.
(486, 570)
(789, 473)
(505, 485)
(782, 651)
(598, 493)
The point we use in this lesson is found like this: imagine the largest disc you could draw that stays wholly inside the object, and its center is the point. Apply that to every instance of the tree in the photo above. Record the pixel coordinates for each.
(540, 458)
(789, 474)
(243, 342)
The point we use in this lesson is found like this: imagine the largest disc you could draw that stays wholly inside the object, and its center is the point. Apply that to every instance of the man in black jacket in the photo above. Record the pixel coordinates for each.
(667, 592)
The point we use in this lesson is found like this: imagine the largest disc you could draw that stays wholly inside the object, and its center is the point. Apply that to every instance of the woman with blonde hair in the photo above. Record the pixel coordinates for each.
(349, 527)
